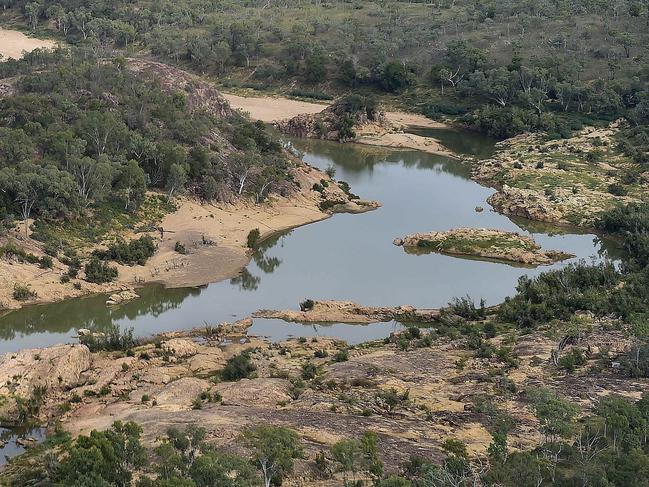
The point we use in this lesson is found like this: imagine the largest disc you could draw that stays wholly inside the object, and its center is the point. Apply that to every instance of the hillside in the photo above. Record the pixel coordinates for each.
(93, 154)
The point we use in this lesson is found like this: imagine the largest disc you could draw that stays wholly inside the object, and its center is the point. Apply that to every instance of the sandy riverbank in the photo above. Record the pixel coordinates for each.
(269, 109)
(225, 228)
(213, 235)
(14, 43)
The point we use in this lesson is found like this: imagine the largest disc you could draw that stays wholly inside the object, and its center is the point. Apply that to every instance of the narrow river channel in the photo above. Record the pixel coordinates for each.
(348, 257)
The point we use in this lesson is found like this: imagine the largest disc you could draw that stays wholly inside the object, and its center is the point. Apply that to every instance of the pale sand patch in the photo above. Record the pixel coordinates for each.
(400, 140)
(268, 110)
(227, 227)
(14, 43)
(413, 120)
(272, 109)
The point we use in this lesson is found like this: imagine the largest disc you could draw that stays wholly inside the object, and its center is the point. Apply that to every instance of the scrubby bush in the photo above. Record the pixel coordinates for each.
(99, 272)
(113, 339)
(22, 292)
(341, 355)
(572, 360)
(238, 367)
(134, 252)
(617, 189)
(253, 238)
(45, 262)
(558, 293)
(309, 371)
(465, 308)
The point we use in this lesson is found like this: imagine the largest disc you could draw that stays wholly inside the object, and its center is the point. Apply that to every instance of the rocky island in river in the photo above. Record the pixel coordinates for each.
(483, 243)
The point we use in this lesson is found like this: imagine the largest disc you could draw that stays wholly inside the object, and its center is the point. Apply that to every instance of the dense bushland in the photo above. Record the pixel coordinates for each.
(507, 66)
(603, 289)
(82, 132)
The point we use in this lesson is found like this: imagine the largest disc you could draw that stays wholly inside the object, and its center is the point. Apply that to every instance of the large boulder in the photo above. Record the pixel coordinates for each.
(56, 368)
(180, 347)
(525, 203)
(254, 392)
(181, 393)
(39, 372)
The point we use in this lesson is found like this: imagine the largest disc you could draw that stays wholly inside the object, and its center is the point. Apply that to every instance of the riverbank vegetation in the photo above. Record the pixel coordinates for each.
(80, 132)
(603, 289)
(92, 153)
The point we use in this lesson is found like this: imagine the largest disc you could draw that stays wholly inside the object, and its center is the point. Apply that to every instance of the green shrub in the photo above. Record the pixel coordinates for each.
(22, 292)
(465, 308)
(238, 367)
(309, 371)
(10, 249)
(45, 262)
(572, 360)
(134, 252)
(298, 386)
(616, 189)
(112, 339)
(253, 238)
(99, 272)
(342, 355)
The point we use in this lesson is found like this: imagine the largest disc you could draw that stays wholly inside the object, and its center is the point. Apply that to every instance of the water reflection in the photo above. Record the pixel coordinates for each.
(10, 441)
(90, 312)
(246, 281)
(460, 141)
(349, 257)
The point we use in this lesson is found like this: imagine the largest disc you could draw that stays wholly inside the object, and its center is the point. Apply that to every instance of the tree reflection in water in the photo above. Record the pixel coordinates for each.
(246, 281)
(90, 312)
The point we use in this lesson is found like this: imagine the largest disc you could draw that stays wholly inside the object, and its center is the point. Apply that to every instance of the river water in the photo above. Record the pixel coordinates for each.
(347, 257)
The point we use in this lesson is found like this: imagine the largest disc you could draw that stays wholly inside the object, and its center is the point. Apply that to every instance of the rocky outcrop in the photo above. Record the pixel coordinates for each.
(349, 312)
(179, 347)
(569, 181)
(181, 393)
(262, 392)
(234, 329)
(39, 372)
(200, 94)
(57, 367)
(338, 122)
(121, 297)
(525, 203)
(483, 243)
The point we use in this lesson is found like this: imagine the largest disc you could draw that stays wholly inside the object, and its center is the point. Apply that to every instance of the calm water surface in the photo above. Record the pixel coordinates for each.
(346, 257)
(9, 441)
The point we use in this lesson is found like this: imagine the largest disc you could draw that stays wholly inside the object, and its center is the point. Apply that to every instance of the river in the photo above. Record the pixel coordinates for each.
(348, 257)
